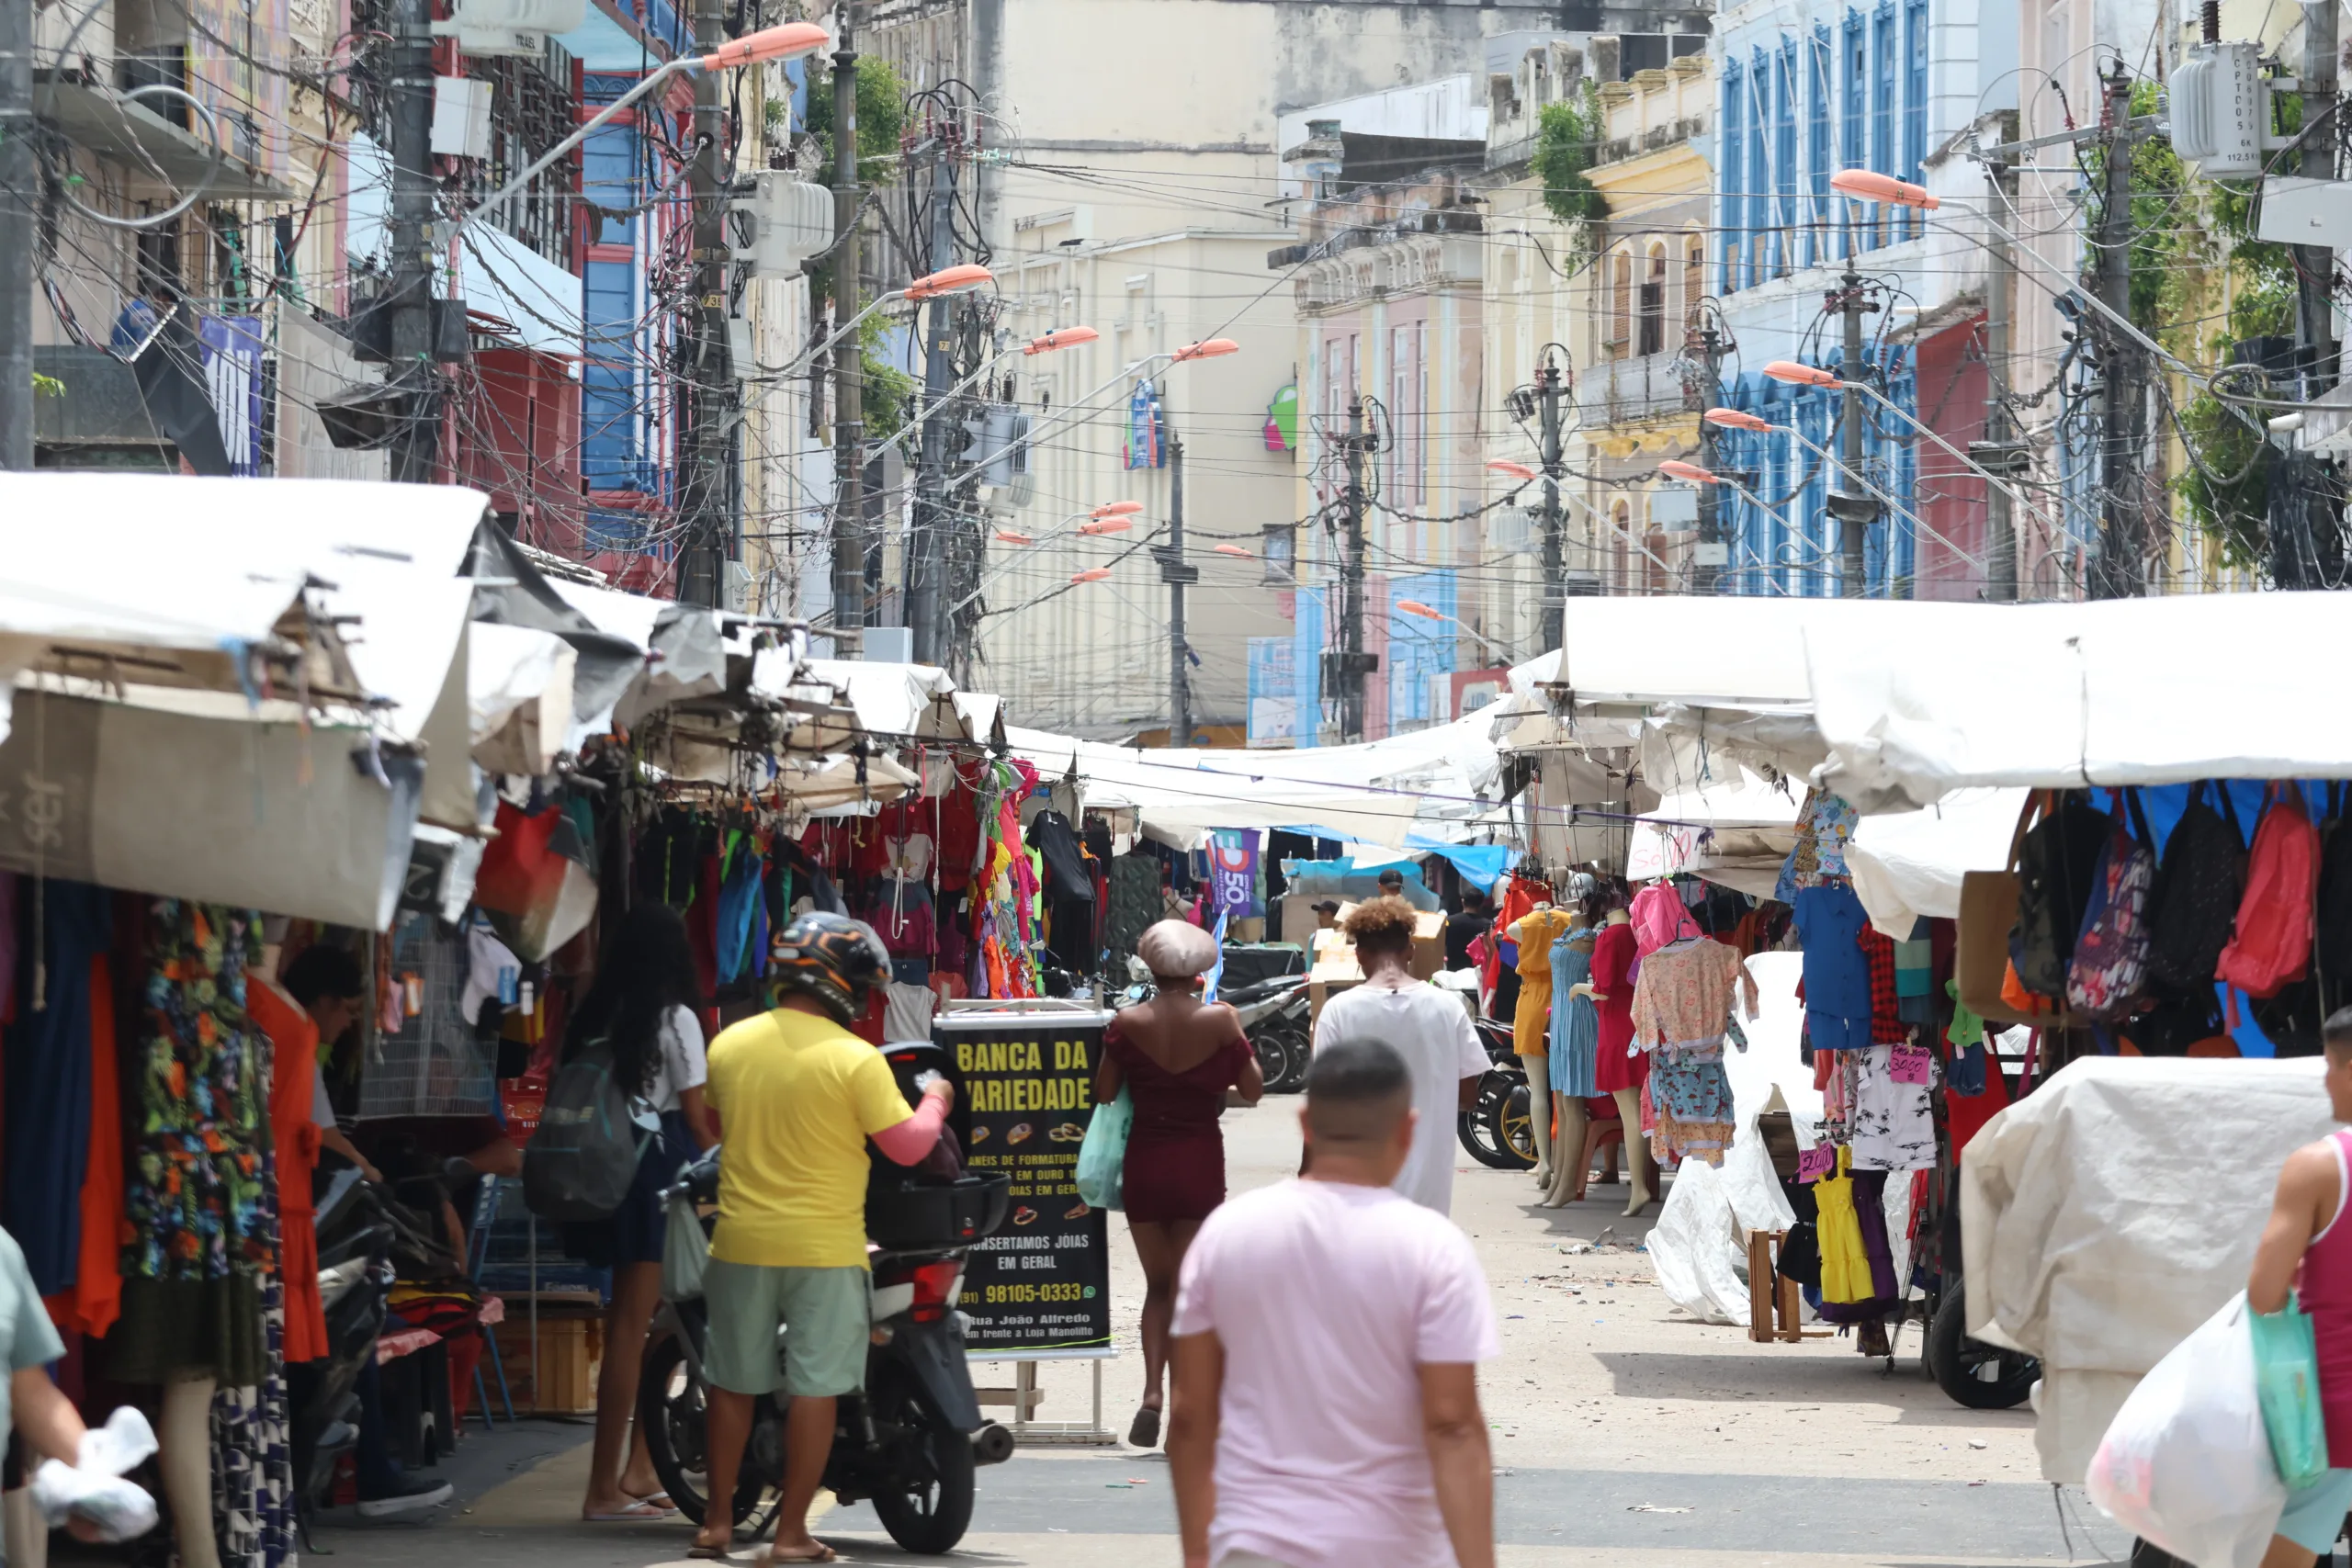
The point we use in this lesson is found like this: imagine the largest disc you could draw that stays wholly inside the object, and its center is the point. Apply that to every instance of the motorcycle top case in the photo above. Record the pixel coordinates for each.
(904, 1209)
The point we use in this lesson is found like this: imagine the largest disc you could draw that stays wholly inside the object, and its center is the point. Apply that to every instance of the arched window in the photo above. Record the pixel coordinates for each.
(1652, 337)
(1694, 278)
(1621, 305)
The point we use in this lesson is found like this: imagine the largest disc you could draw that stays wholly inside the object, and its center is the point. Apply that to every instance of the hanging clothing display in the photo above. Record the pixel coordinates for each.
(1890, 1123)
(1538, 929)
(294, 1154)
(197, 1244)
(1836, 973)
(1615, 1064)
(1135, 904)
(48, 1081)
(1682, 1010)
(1845, 1262)
(1576, 1022)
(95, 1301)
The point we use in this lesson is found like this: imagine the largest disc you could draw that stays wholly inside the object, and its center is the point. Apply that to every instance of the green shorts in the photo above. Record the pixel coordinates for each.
(822, 1311)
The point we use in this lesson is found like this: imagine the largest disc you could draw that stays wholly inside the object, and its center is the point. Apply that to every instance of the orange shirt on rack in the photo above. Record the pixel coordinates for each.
(293, 1076)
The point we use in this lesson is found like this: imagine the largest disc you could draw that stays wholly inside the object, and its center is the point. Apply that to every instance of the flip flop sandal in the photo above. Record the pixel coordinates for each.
(636, 1512)
(658, 1500)
(824, 1553)
(1144, 1431)
(701, 1553)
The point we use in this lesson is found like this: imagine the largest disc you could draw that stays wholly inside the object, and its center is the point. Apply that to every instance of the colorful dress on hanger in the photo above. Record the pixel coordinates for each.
(1612, 966)
(1845, 1262)
(1537, 932)
(1576, 1022)
(1682, 1006)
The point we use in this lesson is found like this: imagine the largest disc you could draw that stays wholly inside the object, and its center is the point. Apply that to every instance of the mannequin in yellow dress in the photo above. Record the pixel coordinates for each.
(1530, 1024)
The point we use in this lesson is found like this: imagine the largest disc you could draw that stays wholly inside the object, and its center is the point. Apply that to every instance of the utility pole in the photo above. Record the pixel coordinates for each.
(1999, 450)
(1711, 554)
(1556, 550)
(416, 446)
(19, 178)
(709, 379)
(2306, 499)
(1177, 573)
(926, 545)
(1352, 664)
(2116, 573)
(849, 367)
(1853, 505)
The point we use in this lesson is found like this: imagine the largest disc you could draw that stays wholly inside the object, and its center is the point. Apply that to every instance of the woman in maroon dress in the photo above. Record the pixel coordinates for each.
(1176, 1055)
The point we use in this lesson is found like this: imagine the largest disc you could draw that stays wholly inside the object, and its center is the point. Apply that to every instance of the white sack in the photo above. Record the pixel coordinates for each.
(2186, 1463)
(2113, 1210)
(1693, 1246)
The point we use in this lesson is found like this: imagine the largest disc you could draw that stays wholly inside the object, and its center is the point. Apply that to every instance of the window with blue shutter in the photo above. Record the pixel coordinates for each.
(1915, 103)
(1852, 151)
(1759, 168)
(1733, 96)
(1818, 96)
(1885, 157)
(1784, 169)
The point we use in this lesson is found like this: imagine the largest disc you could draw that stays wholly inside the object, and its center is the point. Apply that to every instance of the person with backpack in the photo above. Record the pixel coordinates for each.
(640, 1011)
(797, 1096)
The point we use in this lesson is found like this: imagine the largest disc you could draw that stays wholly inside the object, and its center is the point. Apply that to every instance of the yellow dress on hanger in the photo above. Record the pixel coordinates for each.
(1845, 1262)
(1530, 1024)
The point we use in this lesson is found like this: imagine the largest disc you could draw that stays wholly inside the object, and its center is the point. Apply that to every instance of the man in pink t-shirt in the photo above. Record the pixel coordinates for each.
(1328, 1337)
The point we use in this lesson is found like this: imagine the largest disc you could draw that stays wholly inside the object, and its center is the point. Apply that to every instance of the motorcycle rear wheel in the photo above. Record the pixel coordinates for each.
(1274, 1057)
(1477, 1128)
(1514, 1127)
(930, 1514)
(670, 1402)
(1302, 1057)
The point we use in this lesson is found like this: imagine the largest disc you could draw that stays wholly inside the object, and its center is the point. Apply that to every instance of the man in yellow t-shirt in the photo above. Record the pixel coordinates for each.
(797, 1096)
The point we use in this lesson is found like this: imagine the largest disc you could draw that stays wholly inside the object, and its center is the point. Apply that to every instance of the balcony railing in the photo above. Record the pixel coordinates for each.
(1648, 386)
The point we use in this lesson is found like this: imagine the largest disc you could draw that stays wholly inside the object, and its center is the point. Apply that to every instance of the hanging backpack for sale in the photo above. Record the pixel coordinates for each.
(2056, 864)
(2110, 970)
(2193, 901)
(584, 1153)
(2272, 944)
(2331, 931)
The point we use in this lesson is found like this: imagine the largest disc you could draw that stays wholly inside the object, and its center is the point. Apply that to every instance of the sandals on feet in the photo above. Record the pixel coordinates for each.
(1144, 1431)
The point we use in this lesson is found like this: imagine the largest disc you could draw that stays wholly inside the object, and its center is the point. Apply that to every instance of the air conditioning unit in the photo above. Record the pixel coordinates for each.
(1001, 447)
(2221, 108)
(510, 27)
(461, 116)
(735, 589)
(791, 220)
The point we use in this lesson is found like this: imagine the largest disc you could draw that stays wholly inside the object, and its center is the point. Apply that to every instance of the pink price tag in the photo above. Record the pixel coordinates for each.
(1817, 1163)
(1912, 1063)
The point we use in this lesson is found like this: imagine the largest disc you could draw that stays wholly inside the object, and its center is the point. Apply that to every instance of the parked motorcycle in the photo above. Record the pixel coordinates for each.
(357, 1234)
(1273, 1015)
(913, 1440)
(1498, 1129)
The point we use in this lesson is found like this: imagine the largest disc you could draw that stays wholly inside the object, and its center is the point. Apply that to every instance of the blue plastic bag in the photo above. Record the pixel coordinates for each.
(1104, 1154)
(2286, 1369)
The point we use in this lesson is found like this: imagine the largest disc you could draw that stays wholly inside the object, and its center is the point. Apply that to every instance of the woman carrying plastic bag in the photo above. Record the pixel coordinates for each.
(2194, 1460)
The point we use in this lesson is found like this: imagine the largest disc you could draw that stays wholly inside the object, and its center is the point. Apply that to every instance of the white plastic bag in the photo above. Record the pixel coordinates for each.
(1696, 1249)
(2186, 1465)
(93, 1488)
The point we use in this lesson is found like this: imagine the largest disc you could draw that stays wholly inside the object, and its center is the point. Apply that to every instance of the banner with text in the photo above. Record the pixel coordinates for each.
(1026, 1087)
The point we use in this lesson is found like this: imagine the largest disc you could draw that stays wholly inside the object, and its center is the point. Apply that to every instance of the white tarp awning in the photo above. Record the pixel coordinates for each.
(1737, 832)
(913, 702)
(1909, 863)
(2121, 692)
(2116, 1208)
(519, 691)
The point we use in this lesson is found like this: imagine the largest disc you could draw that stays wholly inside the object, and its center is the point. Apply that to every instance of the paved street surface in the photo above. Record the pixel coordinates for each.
(1624, 1435)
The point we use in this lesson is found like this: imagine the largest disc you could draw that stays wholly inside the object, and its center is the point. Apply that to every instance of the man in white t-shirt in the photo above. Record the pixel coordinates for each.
(1328, 1337)
(1429, 1028)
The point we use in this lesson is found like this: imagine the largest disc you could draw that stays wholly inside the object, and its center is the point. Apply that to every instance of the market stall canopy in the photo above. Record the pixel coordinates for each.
(1737, 832)
(901, 702)
(520, 690)
(818, 786)
(2120, 692)
(681, 654)
(1439, 782)
(1908, 864)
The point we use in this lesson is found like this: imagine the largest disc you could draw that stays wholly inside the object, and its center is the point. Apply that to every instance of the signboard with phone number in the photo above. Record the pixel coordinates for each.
(1025, 1091)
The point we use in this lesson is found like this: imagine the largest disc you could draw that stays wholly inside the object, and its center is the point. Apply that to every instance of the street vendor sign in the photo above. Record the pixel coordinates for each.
(1025, 1088)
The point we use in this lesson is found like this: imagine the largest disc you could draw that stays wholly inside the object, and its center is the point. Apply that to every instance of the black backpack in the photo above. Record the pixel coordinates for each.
(2057, 869)
(2331, 936)
(584, 1155)
(2193, 905)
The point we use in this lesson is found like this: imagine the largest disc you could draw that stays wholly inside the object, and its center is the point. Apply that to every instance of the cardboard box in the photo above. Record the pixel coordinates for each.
(1428, 943)
(1333, 967)
(571, 1350)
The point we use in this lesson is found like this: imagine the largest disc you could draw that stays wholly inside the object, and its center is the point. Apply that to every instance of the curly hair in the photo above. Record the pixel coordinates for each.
(1382, 925)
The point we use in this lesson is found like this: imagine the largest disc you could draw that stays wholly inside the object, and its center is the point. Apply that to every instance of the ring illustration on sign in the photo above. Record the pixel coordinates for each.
(1068, 1133)
(979, 1135)
(1020, 1135)
(1025, 1215)
(1078, 1212)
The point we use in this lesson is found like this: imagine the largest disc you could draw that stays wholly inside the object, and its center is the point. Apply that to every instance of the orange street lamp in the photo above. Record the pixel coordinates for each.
(1733, 419)
(1092, 574)
(1118, 509)
(954, 279)
(1099, 526)
(1061, 337)
(1430, 612)
(1868, 185)
(768, 43)
(1519, 471)
(1690, 473)
(1207, 348)
(1233, 550)
(1796, 375)
(1007, 536)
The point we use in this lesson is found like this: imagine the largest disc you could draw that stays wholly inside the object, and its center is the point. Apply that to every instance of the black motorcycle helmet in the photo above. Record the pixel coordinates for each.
(832, 958)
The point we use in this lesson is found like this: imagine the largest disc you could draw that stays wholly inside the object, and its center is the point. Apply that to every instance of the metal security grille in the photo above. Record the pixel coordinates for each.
(433, 1065)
